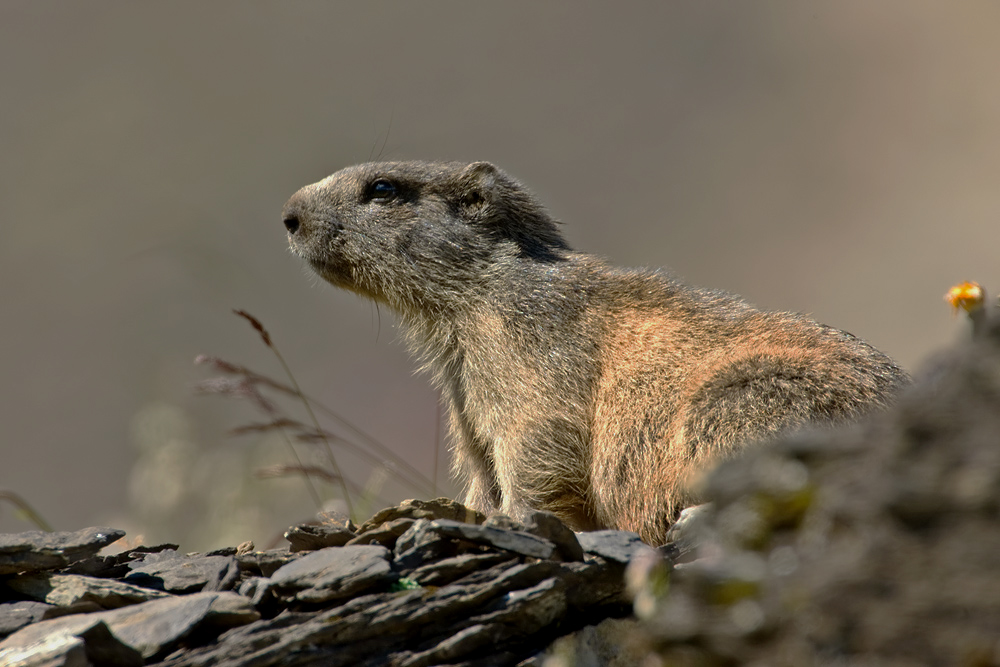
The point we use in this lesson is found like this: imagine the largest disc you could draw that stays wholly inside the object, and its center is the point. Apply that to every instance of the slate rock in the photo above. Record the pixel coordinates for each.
(514, 541)
(310, 537)
(375, 629)
(266, 563)
(151, 628)
(472, 639)
(421, 544)
(547, 525)
(526, 611)
(176, 573)
(154, 627)
(16, 615)
(494, 616)
(488, 595)
(66, 590)
(225, 551)
(596, 584)
(385, 534)
(114, 566)
(488, 575)
(448, 570)
(258, 590)
(103, 648)
(334, 573)
(620, 546)
(74, 641)
(503, 522)
(439, 508)
(35, 550)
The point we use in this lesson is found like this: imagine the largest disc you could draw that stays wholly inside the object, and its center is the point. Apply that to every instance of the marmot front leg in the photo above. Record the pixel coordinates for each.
(545, 468)
(481, 490)
(479, 495)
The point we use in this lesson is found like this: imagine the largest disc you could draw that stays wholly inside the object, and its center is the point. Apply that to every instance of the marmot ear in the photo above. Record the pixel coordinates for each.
(479, 181)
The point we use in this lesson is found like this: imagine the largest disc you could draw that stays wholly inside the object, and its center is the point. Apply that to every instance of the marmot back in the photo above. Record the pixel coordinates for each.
(572, 386)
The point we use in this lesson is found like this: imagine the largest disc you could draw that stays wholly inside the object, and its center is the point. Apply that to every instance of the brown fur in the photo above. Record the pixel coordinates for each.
(572, 386)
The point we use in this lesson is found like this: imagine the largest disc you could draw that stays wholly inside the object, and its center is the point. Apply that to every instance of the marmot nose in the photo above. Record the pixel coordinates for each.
(291, 214)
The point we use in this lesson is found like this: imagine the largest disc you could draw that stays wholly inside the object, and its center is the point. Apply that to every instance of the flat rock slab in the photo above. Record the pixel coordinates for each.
(420, 545)
(268, 562)
(36, 550)
(257, 590)
(334, 573)
(615, 545)
(68, 590)
(310, 537)
(515, 541)
(74, 641)
(439, 508)
(547, 525)
(16, 615)
(387, 534)
(457, 646)
(176, 573)
(448, 570)
(151, 628)
(114, 566)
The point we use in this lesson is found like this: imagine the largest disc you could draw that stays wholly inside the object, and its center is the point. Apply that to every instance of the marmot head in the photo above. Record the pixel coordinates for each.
(413, 234)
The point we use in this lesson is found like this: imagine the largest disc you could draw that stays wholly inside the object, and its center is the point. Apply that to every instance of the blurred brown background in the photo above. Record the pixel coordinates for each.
(838, 158)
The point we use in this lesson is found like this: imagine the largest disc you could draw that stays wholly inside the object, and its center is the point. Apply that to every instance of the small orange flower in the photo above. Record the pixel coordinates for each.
(968, 296)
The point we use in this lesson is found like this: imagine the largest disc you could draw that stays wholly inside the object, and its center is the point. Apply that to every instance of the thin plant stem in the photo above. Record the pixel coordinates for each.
(319, 430)
(298, 461)
(416, 478)
(266, 337)
(26, 509)
(375, 444)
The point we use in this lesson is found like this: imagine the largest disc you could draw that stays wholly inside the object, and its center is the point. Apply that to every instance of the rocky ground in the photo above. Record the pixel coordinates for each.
(424, 583)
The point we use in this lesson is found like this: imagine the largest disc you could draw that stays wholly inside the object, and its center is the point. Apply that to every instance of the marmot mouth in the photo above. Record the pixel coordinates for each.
(337, 273)
(320, 266)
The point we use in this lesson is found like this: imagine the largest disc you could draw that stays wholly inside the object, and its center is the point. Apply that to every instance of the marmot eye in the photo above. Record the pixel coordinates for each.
(382, 190)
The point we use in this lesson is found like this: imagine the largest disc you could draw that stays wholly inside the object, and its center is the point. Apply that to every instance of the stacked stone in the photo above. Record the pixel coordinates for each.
(424, 583)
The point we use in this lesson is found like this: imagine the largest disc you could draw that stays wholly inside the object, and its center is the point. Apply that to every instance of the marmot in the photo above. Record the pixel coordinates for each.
(572, 386)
